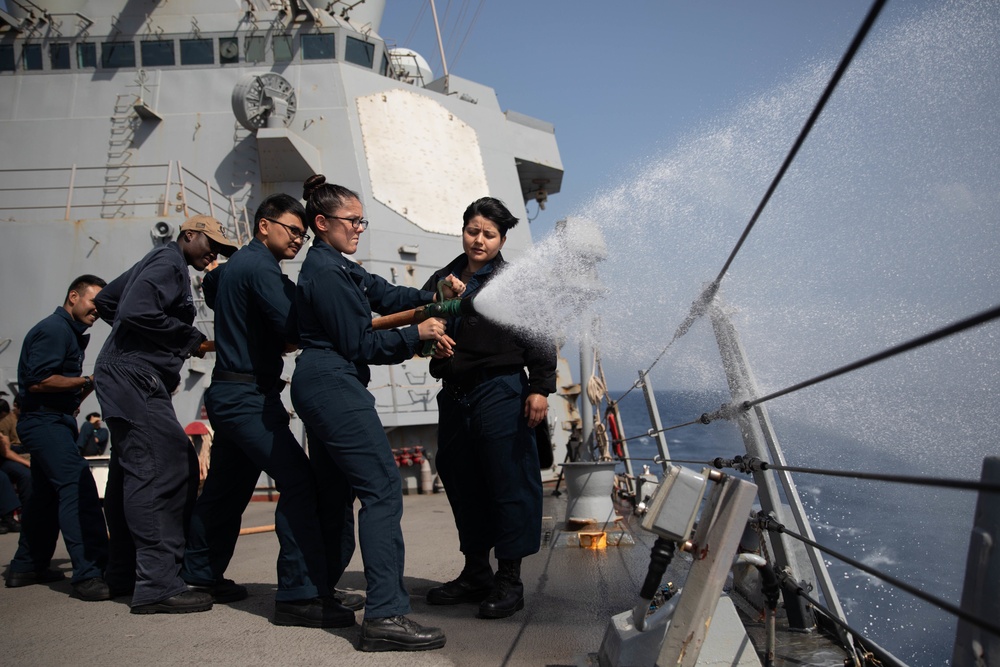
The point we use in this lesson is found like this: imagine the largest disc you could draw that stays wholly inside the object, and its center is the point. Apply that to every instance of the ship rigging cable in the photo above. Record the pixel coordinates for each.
(768, 523)
(708, 294)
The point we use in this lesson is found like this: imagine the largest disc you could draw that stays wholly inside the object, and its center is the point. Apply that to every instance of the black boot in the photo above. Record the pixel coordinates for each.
(507, 595)
(398, 633)
(473, 585)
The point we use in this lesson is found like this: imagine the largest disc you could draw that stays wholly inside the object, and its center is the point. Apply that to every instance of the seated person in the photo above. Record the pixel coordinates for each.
(93, 438)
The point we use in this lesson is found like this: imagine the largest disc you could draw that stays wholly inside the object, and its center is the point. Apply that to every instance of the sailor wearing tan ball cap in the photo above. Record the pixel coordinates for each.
(154, 473)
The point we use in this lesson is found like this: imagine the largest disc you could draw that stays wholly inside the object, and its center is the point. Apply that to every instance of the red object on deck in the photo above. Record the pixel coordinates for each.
(196, 428)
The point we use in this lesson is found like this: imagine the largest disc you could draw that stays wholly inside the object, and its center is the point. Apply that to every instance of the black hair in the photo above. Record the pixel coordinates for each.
(4, 406)
(83, 282)
(276, 206)
(323, 198)
(94, 414)
(493, 210)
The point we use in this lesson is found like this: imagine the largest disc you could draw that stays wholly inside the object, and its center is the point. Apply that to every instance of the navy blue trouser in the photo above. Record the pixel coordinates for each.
(252, 434)
(488, 463)
(152, 483)
(20, 476)
(64, 497)
(349, 450)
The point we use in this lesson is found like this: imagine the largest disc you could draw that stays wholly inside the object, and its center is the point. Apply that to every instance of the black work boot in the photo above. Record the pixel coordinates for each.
(507, 595)
(398, 633)
(473, 585)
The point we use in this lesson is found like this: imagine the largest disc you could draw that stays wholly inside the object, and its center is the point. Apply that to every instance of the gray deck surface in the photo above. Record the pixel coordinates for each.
(570, 594)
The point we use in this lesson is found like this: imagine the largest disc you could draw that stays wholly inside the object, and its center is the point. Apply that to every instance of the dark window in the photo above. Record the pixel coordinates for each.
(197, 52)
(117, 54)
(157, 53)
(229, 50)
(282, 46)
(384, 69)
(86, 55)
(318, 47)
(360, 53)
(6, 57)
(31, 54)
(255, 49)
(59, 55)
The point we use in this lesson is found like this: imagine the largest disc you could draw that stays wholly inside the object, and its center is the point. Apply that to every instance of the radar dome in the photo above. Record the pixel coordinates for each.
(410, 66)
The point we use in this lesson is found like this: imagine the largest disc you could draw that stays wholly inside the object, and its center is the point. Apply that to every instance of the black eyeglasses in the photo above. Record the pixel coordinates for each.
(359, 224)
(296, 234)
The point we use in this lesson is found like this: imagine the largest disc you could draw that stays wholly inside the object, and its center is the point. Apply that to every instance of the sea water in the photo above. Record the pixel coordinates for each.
(885, 228)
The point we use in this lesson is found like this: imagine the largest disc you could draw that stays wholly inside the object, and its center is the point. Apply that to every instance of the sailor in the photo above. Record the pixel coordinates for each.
(254, 322)
(488, 409)
(152, 479)
(64, 496)
(347, 443)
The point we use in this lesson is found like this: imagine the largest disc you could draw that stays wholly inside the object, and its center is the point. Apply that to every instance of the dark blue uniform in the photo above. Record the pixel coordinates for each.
(347, 444)
(487, 455)
(152, 480)
(64, 495)
(253, 320)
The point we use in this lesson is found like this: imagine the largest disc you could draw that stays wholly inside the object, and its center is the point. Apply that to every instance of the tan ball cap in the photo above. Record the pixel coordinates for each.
(213, 229)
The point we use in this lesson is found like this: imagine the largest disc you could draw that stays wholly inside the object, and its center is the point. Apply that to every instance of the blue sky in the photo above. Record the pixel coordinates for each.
(621, 85)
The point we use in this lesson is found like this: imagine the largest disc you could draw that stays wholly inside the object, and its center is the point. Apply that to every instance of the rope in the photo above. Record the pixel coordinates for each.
(597, 391)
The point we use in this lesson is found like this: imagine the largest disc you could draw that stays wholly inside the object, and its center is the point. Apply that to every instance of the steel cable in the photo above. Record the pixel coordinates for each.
(708, 294)
(770, 524)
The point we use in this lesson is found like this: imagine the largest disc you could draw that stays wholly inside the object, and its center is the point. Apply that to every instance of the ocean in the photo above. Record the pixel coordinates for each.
(883, 525)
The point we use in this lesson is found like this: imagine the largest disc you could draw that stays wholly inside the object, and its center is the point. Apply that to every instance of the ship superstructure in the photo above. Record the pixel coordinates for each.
(118, 120)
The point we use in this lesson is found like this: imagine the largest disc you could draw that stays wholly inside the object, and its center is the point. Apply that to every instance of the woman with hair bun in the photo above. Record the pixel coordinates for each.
(335, 298)
(488, 409)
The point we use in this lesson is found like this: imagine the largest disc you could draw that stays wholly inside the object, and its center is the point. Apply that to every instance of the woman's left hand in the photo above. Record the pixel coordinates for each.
(444, 347)
(453, 287)
(535, 408)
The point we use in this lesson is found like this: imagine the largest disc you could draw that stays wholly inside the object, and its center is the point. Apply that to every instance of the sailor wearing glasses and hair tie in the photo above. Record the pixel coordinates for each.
(347, 444)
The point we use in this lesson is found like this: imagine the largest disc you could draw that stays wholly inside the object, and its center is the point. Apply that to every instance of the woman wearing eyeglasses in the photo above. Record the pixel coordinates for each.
(488, 409)
(335, 298)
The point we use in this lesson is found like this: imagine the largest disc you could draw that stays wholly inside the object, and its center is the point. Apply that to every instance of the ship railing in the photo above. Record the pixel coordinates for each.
(121, 191)
(783, 517)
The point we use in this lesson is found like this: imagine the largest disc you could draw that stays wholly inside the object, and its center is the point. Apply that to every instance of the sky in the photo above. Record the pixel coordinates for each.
(622, 85)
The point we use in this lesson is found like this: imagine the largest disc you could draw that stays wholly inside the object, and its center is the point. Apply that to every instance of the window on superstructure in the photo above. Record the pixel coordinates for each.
(360, 52)
(384, 68)
(117, 54)
(255, 49)
(157, 53)
(6, 57)
(31, 56)
(318, 47)
(86, 55)
(282, 47)
(197, 52)
(59, 55)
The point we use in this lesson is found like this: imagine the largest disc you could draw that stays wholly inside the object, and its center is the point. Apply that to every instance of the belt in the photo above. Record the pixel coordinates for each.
(468, 382)
(45, 408)
(228, 376)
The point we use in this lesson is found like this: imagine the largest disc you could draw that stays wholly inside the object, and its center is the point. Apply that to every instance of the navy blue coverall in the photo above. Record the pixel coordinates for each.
(253, 300)
(487, 455)
(153, 476)
(64, 495)
(347, 443)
